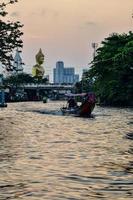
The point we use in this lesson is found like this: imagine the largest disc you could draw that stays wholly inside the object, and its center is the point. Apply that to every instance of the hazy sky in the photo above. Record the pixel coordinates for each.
(65, 29)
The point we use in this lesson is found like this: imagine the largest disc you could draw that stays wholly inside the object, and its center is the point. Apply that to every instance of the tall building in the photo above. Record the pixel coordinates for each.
(64, 75)
(18, 63)
(69, 75)
(59, 72)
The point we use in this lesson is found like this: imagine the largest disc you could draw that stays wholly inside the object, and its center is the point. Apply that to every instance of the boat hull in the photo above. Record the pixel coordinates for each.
(79, 111)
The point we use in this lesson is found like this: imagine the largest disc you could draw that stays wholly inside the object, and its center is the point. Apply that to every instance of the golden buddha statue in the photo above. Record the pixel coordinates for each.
(38, 70)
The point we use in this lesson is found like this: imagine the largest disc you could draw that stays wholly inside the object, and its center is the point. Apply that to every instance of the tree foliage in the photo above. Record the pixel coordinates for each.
(18, 79)
(112, 70)
(85, 85)
(22, 78)
(10, 36)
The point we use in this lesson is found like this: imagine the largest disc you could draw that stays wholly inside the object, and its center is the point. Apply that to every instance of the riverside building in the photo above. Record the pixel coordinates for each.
(64, 75)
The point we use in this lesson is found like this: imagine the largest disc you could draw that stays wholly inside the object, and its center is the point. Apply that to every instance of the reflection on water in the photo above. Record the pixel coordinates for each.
(44, 155)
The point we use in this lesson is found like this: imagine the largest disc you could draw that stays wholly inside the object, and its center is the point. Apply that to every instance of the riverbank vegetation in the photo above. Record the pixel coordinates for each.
(111, 72)
(22, 79)
(10, 36)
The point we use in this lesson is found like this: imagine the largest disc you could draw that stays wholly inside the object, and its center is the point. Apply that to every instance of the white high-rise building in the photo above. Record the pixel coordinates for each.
(64, 75)
(59, 72)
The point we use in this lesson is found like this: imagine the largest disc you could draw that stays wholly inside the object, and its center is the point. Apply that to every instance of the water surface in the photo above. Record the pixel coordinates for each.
(45, 155)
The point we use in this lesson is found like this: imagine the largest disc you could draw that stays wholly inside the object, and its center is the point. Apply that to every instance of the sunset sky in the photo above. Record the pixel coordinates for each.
(65, 29)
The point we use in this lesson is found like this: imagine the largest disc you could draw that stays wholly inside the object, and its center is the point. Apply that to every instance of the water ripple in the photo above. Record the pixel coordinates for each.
(45, 155)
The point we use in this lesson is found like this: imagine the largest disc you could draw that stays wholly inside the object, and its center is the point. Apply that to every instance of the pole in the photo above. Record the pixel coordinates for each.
(94, 46)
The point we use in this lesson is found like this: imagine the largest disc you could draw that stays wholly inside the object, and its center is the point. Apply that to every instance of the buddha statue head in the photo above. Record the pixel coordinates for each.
(40, 57)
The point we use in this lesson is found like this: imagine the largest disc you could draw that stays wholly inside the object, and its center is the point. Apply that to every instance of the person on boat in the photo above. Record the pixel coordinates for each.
(88, 104)
(71, 103)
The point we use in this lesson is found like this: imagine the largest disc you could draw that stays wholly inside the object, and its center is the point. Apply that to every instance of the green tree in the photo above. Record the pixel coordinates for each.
(112, 70)
(18, 79)
(21, 79)
(10, 36)
(85, 85)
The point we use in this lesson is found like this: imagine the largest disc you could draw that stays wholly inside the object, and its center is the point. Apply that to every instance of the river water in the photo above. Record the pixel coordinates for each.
(45, 155)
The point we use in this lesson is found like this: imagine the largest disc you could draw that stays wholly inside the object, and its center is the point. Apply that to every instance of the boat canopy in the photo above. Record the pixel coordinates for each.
(80, 94)
(76, 95)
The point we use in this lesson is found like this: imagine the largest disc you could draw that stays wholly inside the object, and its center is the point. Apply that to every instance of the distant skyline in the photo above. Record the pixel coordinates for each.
(65, 29)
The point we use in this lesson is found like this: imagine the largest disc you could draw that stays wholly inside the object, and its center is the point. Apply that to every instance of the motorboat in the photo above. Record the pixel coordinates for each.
(83, 110)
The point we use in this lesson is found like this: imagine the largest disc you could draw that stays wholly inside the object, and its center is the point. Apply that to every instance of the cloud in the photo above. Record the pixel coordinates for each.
(90, 23)
(15, 14)
(55, 13)
(43, 12)
(46, 13)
